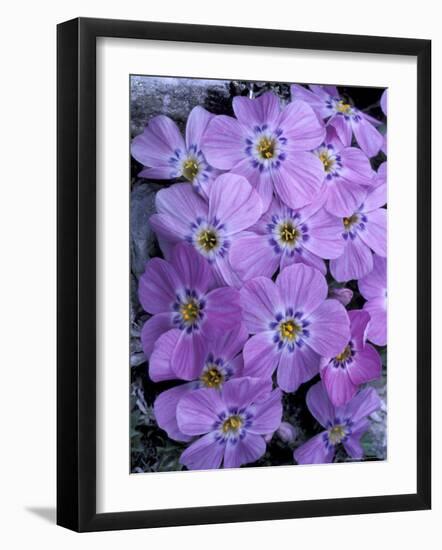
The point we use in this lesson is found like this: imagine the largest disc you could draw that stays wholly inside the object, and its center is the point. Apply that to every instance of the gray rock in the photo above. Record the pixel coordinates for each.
(142, 206)
(174, 97)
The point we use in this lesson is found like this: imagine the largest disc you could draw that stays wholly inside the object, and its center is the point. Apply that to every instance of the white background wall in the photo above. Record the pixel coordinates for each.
(27, 273)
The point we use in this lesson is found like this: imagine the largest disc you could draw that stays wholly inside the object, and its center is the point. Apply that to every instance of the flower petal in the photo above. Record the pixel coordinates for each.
(319, 404)
(338, 384)
(243, 450)
(374, 284)
(206, 453)
(152, 329)
(260, 300)
(375, 234)
(367, 366)
(193, 269)
(223, 142)
(355, 262)
(359, 320)
(267, 414)
(251, 255)
(261, 356)
(297, 367)
(298, 179)
(368, 138)
(158, 142)
(256, 112)
(234, 202)
(160, 368)
(157, 286)
(302, 287)
(241, 392)
(315, 451)
(377, 329)
(188, 356)
(223, 310)
(363, 404)
(301, 127)
(325, 235)
(198, 411)
(165, 411)
(196, 125)
(329, 328)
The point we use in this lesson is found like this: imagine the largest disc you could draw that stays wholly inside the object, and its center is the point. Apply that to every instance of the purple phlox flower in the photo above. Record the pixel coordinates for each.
(162, 149)
(348, 175)
(221, 361)
(293, 324)
(343, 295)
(283, 237)
(365, 230)
(373, 288)
(343, 425)
(344, 117)
(231, 423)
(178, 295)
(210, 227)
(356, 364)
(270, 146)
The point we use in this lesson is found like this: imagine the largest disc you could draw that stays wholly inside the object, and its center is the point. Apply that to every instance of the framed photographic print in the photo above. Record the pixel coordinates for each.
(233, 206)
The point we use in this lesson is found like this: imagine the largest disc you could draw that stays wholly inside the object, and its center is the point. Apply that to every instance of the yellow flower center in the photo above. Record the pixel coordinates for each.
(232, 424)
(288, 233)
(190, 169)
(348, 222)
(344, 355)
(326, 160)
(190, 311)
(266, 148)
(289, 330)
(343, 107)
(212, 378)
(336, 434)
(207, 240)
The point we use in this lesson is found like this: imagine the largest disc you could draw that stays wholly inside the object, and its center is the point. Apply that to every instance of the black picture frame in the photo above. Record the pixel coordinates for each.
(76, 274)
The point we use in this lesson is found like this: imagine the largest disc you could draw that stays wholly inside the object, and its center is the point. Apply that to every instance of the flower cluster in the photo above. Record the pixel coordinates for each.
(268, 220)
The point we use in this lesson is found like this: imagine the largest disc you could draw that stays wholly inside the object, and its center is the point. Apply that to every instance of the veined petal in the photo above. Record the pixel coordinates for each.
(198, 410)
(160, 368)
(301, 127)
(251, 255)
(243, 451)
(159, 141)
(329, 328)
(206, 453)
(367, 366)
(297, 367)
(223, 142)
(267, 414)
(260, 300)
(157, 286)
(320, 405)
(234, 202)
(299, 179)
(314, 451)
(302, 288)
(261, 356)
(375, 234)
(338, 384)
(256, 112)
(354, 263)
(165, 411)
(152, 329)
(241, 392)
(368, 138)
(196, 125)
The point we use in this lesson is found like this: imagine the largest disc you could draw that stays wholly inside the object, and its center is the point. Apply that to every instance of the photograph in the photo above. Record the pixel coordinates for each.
(258, 273)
